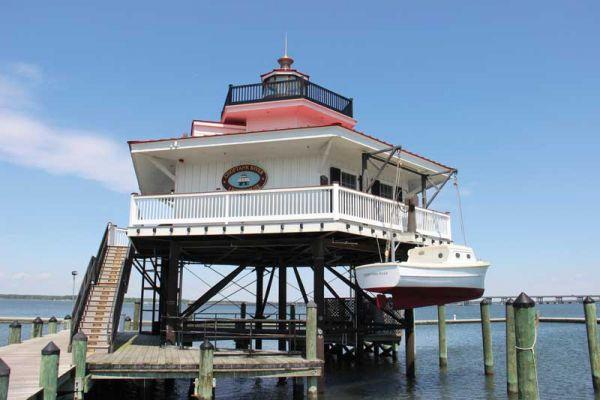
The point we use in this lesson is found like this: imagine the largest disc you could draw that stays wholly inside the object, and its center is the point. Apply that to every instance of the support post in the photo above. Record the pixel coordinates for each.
(511, 351)
(589, 308)
(423, 191)
(525, 337)
(319, 279)
(204, 385)
(292, 329)
(14, 333)
(241, 326)
(409, 342)
(172, 288)
(49, 371)
(67, 323)
(260, 274)
(311, 345)
(443, 347)
(282, 304)
(486, 333)
(79, 353)
(52, 325)
(136, 316)
(127, 324)
(4, 379)
(37, 327)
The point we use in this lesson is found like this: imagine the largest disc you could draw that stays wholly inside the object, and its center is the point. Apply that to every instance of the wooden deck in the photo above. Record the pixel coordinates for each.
(24, 362)
(142, 358)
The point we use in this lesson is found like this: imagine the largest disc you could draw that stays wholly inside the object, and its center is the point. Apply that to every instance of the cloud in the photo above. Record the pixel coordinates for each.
(29, 141)
(36, 277)
(28, 71)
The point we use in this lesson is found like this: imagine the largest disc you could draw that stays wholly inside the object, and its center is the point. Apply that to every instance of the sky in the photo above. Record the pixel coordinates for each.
(507, 92)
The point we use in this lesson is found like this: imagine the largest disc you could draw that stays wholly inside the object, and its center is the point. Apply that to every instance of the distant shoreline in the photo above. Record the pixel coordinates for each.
(70, 298)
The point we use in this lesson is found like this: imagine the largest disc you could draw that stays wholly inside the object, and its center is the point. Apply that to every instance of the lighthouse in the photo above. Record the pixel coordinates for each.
(281, 184)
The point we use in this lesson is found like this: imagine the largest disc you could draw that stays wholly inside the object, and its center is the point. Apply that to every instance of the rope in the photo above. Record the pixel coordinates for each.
(460, 213)
(532, 349)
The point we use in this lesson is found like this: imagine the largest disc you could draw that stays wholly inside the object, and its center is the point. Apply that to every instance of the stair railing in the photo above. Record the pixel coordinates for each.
(91, 277)
(121, 289)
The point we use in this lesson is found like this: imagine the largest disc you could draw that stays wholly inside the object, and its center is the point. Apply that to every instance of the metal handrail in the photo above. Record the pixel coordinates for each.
(91, 276)
(289, 89)
(119, 296)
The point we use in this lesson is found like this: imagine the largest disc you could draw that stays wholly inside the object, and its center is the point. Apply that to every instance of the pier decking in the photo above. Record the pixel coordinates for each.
(142, 357)
(24, 362)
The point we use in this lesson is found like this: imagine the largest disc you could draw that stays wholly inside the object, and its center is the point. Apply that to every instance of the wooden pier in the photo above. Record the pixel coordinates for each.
(142, 357)
(24, 362)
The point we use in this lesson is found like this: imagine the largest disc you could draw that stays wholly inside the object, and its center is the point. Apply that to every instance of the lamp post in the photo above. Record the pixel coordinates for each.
(74, 273)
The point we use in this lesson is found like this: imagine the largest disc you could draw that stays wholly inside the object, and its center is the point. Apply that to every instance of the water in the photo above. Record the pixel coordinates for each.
(562, 357)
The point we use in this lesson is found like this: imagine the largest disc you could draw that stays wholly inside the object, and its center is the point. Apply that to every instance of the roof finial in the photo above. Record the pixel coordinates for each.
(286, 61)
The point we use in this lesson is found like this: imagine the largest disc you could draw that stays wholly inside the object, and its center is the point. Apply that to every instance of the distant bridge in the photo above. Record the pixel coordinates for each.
(545, 299)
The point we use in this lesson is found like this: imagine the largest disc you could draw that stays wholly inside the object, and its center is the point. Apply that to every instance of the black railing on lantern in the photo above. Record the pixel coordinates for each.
(290, 89)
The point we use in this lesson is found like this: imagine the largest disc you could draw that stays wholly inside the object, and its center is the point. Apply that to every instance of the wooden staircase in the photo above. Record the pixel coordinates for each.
(99, 312)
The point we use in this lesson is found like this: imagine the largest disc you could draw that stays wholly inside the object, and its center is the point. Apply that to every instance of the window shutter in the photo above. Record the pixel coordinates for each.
(376, 188)
(335, 175)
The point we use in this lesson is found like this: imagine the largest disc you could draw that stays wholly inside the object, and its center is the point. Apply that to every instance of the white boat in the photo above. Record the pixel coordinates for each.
(432, 275)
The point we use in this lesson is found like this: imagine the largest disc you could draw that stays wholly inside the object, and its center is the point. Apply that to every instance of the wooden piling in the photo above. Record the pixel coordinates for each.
(589, 308)
(311, 346)
(67, 322)
(409, 341)
(443, 347)
(525, 338)
(14, 333)
(49, 371)
(511, 352)
(204, 385)
(4, 379)
(127, 324)
(37, 327)
(136, 316)
(79, 353)
(52, 325)
(486, 333)
(241, 326)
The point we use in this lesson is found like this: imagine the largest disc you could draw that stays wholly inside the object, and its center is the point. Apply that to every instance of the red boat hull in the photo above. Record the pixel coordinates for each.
(413, 297)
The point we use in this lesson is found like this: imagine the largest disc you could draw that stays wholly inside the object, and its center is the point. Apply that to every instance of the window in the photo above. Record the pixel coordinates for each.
(348, 180)
(386, 191)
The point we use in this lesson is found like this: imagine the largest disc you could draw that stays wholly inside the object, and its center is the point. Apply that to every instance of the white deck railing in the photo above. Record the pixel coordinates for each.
(281, 205)
(117, 236)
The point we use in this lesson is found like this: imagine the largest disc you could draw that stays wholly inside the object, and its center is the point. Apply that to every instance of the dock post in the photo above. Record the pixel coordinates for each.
(4, 379)
(589, 308)
(80, 341)
(486, 333)
(67, 322)
(136, 316)
(49, 371)
(204, 385)
(14, 333)
(37, 327)
(409, 341)
(127, 324)
(443, 346)
(52, 325)
(241, 327)
(511, 351)
(525, 338)
(311, 345)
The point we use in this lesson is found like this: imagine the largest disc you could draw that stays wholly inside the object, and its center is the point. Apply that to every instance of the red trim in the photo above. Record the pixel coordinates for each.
(130, 142)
